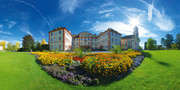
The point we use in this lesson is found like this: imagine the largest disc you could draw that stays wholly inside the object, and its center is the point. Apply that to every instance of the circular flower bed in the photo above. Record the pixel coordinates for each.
(94, 69)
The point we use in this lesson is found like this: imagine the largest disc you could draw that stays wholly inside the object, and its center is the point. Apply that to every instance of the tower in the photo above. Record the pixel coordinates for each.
(136, 34)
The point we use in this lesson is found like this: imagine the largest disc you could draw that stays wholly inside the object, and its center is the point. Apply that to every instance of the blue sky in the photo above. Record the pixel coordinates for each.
(155, 18)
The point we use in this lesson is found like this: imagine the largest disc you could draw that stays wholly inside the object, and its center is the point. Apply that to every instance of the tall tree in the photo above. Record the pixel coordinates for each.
(169, 40)
(9, 46)
(28, 43)
(3, 44)
(162, 41)
(151, 44)
(177, 40)
(38, 46)
(43, 42)
(17, 45)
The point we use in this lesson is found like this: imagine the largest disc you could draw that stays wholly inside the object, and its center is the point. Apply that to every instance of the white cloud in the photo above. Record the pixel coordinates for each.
(121, 28)
(11, 24)
(1, 26)
(164, 23)
(110, 3)
(86, 21)
(133, 10)
(25, 29)
(105, 11)
(161, 20)
(42, 33)
(69, 5)
(8, 33)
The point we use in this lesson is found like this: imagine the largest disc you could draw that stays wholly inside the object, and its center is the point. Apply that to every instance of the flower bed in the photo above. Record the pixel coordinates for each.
(107, 64)
(93, 69)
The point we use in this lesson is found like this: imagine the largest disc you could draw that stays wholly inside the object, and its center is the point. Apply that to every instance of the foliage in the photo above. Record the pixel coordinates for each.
(43, 42)
(38, 46)
(116, 49)
(151, 44)
(3, 44)
(163, 42)
(174, 46)
(81, 52)
(17, 46)
(169, 40)
(177, 40)
(28, 43)
(9, 46)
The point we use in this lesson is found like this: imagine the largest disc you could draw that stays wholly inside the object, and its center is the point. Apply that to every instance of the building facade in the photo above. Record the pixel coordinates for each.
(131, 41)
(61, 39)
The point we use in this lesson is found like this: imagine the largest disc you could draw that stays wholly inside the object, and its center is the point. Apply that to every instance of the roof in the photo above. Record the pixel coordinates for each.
(128, 36)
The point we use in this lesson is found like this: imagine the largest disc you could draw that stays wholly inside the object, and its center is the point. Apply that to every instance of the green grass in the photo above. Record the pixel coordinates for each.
(159, 70)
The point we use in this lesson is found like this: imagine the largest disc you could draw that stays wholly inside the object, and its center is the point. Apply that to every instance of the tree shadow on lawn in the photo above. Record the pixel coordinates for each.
(148, 55)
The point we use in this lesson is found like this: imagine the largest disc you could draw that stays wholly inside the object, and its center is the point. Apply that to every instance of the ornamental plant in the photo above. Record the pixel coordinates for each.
(116, 49)
(81, 52)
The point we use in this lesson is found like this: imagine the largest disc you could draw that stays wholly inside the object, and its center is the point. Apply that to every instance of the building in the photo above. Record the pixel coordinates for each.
(61, 39)
(131, 41)
(104, 41)
(1, 48)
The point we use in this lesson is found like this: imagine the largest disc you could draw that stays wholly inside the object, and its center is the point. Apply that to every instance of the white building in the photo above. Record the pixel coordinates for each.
(1, 48)
(60, 39)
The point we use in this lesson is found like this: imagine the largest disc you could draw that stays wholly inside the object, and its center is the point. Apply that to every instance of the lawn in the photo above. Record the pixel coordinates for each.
(159, 70)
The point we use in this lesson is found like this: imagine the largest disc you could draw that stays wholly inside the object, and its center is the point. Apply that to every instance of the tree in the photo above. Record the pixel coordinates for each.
(169, 40)
(162, 41)
(17, 45)
(43, 42)
(151, 44)
(177, 40)
(3, 44)
(145, 45)
(174, 46)
(38, 46)
(13, 47)
(9, 46)
(28, 43)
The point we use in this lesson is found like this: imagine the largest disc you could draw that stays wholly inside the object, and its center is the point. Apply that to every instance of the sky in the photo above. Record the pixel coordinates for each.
(154, 18)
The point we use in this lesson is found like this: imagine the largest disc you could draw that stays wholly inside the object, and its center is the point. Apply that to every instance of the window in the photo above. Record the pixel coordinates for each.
(55, 33)
(59, 38)
(81, 39)
(84, 43)
(112, 34)
(88, 35)
(51, 39)
(55, 39)
(88, 39)
(51, 33)
(81, 43)
(55, 47)
(112, 39)
(77, 39)
(88, 43)
(84, 38)
(59, 46)
(77, 43)
(59, 32)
